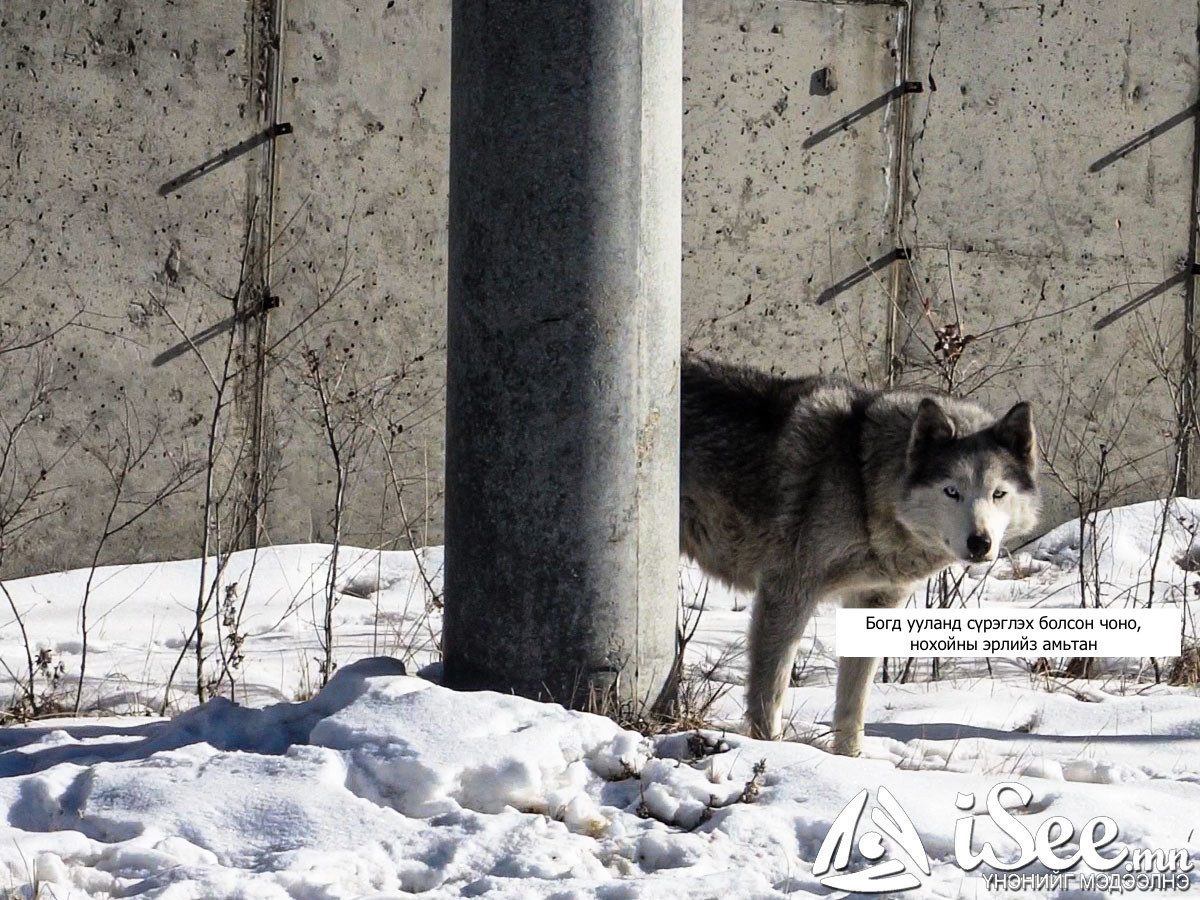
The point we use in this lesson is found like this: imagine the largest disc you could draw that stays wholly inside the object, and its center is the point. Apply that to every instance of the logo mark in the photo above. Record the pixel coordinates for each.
(894, 874)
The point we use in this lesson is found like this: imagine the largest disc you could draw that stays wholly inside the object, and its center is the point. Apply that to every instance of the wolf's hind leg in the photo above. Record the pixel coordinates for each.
(781, 610)
(855, 674)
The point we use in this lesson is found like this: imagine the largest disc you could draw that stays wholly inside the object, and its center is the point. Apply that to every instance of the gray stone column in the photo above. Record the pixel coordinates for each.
(563, 344)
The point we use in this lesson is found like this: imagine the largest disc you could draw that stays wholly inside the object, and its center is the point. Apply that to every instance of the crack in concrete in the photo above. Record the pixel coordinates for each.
(938, 15)
(1127, 67)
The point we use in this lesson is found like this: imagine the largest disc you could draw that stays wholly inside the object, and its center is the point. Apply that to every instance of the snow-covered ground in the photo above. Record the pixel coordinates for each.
(384, 784)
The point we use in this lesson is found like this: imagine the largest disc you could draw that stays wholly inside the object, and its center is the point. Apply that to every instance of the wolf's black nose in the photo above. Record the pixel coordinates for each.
(978, 545)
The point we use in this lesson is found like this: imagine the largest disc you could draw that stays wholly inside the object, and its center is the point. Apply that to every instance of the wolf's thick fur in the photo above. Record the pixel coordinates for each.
(807, 488)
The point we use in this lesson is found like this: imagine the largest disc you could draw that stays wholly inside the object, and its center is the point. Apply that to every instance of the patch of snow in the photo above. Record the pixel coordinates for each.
(386, 785)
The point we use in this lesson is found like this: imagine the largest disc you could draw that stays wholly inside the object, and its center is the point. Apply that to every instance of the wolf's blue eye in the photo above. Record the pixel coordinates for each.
(999, 495)
(952, 493)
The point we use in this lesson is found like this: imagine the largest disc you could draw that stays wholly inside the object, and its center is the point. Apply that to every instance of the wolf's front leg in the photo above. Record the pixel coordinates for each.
(781, 610)
(855, 674)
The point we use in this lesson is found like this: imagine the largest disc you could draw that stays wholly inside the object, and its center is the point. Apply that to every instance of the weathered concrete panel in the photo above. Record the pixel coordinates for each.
(100, 104)
(1015, 150)
(786, 191)
(1025, 161)
(361, 215)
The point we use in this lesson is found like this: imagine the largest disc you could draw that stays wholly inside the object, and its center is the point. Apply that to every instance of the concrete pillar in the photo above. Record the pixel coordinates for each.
(563, 345)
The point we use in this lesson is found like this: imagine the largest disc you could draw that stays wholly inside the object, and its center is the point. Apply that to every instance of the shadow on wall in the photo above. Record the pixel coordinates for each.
(1144, 297)
(1144, 138)
(818, 137)
(858, 275)
(225, 156)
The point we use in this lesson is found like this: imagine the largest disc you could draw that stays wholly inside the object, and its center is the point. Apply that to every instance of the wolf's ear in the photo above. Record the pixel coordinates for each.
(1015, 433)
(931, 427)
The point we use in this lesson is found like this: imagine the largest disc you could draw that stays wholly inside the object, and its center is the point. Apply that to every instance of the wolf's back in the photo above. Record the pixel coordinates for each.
(737, 400)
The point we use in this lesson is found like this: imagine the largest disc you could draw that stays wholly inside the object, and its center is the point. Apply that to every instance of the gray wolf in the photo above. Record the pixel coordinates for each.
(803, 489)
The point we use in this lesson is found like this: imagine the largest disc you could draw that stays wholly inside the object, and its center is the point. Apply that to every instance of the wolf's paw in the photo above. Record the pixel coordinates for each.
(760, 734)
(829, 743)
(848, 744)
(767, 728)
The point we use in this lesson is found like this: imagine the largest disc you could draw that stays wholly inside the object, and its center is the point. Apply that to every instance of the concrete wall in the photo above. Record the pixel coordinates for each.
(362, 202)
(101, 104)
(1005, 171)
(780, 202)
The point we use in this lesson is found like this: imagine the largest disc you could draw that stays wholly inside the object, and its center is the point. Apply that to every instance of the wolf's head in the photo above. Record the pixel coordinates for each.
(966, 491)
